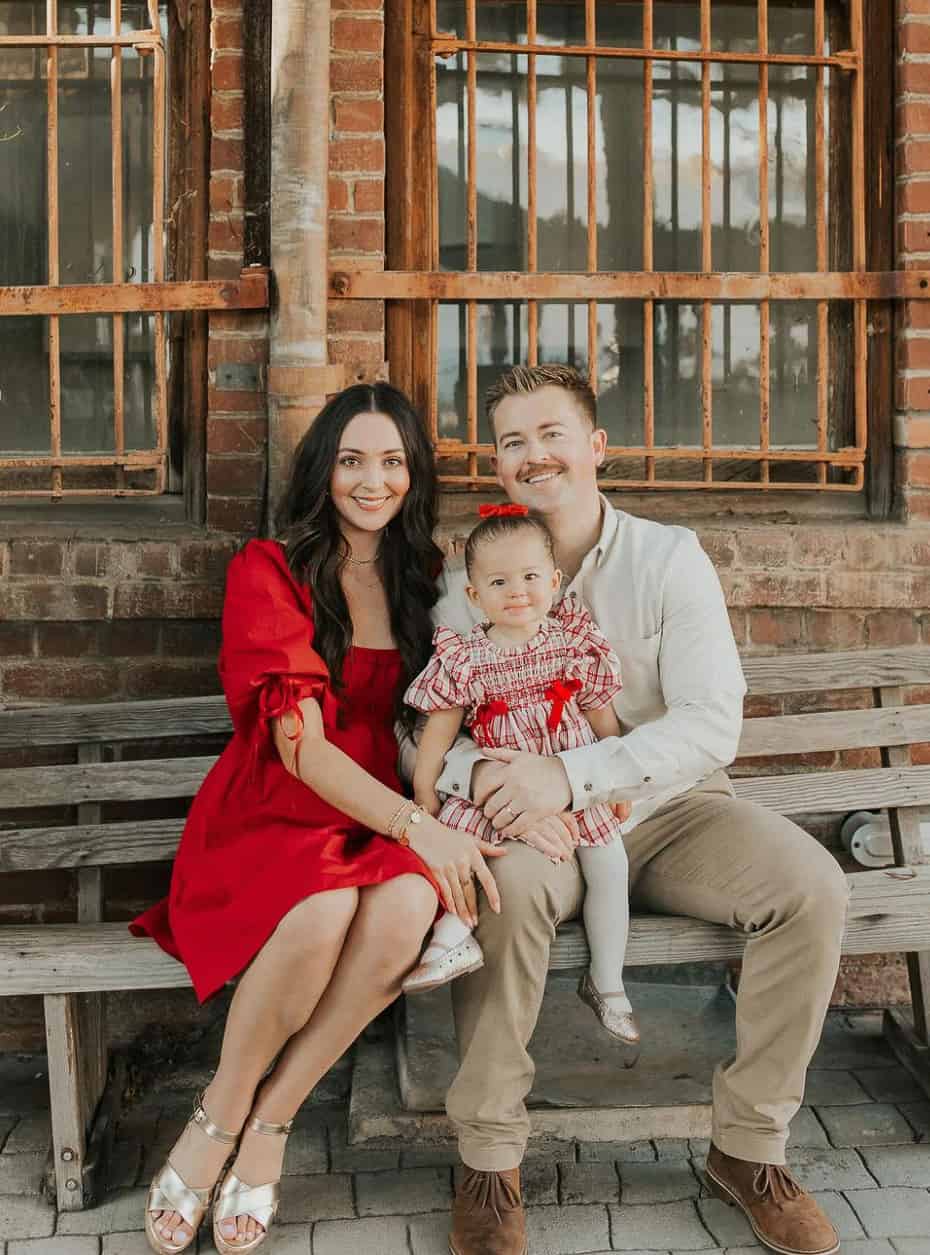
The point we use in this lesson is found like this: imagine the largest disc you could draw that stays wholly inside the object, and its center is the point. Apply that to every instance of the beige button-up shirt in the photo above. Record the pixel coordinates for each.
(656, 597)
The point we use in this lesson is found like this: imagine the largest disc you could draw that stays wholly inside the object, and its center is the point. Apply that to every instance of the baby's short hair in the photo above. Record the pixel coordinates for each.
(501, 525)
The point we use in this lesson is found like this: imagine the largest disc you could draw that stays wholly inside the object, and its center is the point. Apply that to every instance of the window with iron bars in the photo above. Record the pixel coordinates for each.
(669, 194)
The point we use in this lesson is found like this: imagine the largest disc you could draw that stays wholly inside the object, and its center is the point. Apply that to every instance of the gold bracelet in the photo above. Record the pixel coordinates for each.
(415, 817)
(391, 830)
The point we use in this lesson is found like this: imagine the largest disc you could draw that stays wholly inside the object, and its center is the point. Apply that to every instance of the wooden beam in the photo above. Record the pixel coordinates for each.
(512, 285)
(249, 291)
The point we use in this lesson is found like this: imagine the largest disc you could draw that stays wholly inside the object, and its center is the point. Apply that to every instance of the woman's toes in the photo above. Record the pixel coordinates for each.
(229, 1229)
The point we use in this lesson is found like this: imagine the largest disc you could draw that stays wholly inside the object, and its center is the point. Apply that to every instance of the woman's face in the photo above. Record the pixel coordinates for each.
(370, 478)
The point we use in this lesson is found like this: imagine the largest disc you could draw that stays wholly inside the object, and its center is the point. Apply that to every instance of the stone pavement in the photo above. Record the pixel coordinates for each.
(862, 1145)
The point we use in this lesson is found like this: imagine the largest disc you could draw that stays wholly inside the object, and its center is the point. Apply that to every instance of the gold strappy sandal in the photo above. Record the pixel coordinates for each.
(235, 1198)
(170, 1192)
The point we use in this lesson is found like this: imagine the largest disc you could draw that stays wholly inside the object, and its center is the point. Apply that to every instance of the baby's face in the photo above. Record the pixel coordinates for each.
(514, 580)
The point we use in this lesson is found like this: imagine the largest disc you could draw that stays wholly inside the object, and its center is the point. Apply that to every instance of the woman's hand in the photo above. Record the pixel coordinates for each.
(456, 859)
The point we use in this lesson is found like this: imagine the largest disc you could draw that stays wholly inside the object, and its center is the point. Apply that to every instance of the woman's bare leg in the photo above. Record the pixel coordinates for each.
(382, 946)
(273, 1000)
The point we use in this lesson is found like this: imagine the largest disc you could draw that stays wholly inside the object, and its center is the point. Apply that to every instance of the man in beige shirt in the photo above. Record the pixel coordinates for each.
(693, 848)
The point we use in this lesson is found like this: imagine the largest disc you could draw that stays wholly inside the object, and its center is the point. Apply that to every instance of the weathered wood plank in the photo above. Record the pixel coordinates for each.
(113, 721)
(836, 791)
(835, 730)
(96, 845)
(69, 1099)
(105, 782)
(846, 669)
(889, 910)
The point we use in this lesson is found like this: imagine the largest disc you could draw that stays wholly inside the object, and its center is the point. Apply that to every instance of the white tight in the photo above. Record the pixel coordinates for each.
(606, 912)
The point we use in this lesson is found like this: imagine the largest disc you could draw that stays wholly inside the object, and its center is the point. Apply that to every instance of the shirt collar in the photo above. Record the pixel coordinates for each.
(610, 522)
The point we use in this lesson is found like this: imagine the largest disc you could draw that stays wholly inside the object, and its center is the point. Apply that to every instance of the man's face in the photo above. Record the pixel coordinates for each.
(547, 453)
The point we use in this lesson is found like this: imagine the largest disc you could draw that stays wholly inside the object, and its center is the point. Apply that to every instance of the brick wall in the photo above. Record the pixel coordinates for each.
(99, 614)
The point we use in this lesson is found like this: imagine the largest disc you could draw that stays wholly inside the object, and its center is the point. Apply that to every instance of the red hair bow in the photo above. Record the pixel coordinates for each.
(509, 510)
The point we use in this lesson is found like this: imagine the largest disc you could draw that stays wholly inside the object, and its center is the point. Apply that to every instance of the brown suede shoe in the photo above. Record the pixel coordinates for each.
(782, 1215)
(488, 1216)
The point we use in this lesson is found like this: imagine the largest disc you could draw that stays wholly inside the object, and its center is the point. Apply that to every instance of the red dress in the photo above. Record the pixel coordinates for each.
(257, 840)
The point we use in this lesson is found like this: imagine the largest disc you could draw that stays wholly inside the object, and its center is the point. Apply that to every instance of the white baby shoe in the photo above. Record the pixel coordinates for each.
(441, 964)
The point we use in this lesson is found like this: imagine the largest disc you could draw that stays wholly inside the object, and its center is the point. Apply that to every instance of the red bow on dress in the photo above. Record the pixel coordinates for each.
(489, 711)
(559, 692)
(509, 510)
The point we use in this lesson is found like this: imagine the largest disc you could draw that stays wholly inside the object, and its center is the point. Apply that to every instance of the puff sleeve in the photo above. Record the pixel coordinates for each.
(267, 661)
(443, 683)
(591, 659)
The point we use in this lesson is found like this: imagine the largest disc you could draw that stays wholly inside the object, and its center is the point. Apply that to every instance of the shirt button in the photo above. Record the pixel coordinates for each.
(647, 779)
(588, 787)
(455, 788)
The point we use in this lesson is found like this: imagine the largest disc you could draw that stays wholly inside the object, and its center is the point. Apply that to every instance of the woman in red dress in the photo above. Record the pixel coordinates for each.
(302, 866)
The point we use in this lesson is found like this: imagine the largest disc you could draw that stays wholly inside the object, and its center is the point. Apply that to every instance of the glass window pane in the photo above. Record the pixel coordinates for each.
(24, 412)
(139, 381)
(619, 25)
(87, 384)
(618, 137)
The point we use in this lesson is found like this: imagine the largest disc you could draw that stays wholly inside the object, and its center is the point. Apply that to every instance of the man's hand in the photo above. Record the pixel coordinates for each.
(530, 789)
(556, 836)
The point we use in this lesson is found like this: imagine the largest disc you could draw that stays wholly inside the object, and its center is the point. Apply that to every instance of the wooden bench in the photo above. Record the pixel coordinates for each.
(73, 965)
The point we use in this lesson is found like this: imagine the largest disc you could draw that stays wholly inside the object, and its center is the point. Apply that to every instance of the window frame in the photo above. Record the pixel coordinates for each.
(412, 283)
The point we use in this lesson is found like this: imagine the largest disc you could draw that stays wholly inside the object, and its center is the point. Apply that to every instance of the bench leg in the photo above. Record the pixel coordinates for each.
(77, 1068)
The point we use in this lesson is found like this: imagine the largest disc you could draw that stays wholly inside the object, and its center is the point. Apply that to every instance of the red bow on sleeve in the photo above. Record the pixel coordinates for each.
(489, 711)
(508, 510)
(559, 692)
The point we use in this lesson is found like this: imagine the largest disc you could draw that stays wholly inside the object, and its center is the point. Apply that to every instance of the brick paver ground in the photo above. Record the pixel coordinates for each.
(863, 1147)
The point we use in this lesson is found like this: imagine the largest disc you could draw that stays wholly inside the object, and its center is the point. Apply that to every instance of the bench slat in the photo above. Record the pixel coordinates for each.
(835, 791)
(845, 669)
(113, 721)
(68, 785)
(90, 845)
(889, 911)
(835, 730)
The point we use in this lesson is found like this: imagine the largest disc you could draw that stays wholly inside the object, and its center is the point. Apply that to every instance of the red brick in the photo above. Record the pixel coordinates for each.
(226, 154)
(913, 117)
(363, 359)
(233, 514)
(371, 6)
(913, 354)
(913, 8)
(357, 34)
(206, 559)
(237, 435)
(775, 627)
(231, 401)
(914, 236)
(253, 321)
(916, 468)
(66, 640)
(917, 506)
(740, 626)
(155, 560)
(15, 640)
(358, 115)
(355, 316)
(913, 37)
(357, 154)
(190, 639)
(227, 73)
(338, 195)
(835, 629)
(914, 155)
(763, 547)
(148, 600)
(52, 601)
(224, 266)
(172, 679)
(225, 235)
(355, 74)
(822, 759)
(912, 80)
(369, 196)
(235, 476)
(786, 589)
(121, 638)
(227, 112)
(913, 394)
(226, 34)
(356, 235)
(892, 627)
(33, 557)
(913, 196)
(918, 433)
(225, 193)
(70, 681)
(917, 315)
(241, 351)
(920, 755)
(865, 590)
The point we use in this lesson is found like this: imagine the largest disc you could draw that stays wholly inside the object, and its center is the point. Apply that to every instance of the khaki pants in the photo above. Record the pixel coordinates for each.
(705, 855)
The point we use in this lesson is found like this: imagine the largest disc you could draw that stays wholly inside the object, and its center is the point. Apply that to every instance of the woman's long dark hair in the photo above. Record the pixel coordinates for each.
(409, 560)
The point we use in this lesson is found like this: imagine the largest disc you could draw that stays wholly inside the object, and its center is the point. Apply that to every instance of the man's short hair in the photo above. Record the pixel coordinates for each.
(522, 380)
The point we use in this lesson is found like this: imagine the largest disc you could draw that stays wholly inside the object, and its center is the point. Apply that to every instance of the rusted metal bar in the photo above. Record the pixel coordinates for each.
(140, 460)
(764, 236)
(137, 40)
(691, 453)
(707, 264)
(820, 218)
(860, 312)
(250, 291)
(54, 244)
(160, 399)
(511, 285)
(119, 270)
(432, 320)
(532, 245)
(648, 239)
(590, 34)
(471, 245)
(444, 46)
(632, 485)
